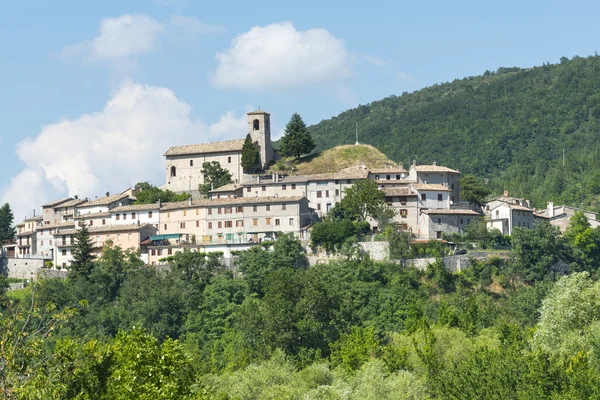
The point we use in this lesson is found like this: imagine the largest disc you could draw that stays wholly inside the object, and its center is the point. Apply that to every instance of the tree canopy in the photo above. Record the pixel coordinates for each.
(296, 140)
(250, 155)
(363, 199)
(215, 176)
(7, 229)
(150, 194)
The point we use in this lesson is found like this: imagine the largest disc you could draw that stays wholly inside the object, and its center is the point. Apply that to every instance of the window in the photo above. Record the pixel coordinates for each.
(184, 213)
(403, 213)
(149, 214)
(439, 197)
(153, 252)
(319, 194)
(169, 214)
(129, 237)
(209, 211)
(376, 177)
(284, 207)
(165, 227)
(263, 188)
(254, 222)
(173, 172)
(327, 193)
(452, 199)
(497, 213)
(402, 199)
(319, 207)
(229, 160)
(254, 208)
(182, 225)
(132, 215)
(91, 222)
(268, 221)
(397, 177)
(337, 192)
(228, 224)
(118, 236)
(219, 210)
(118, 216)
(256, 125)
(439, 220)
(452, 186)
(191, 163)
(293, 186)
(248, 189)
(219, 224)
(268, 207)
(423, 196)
(64, 252)
(210, 225)
(170, 251)
(240, 209)
(197, 211)
(283, 187)
(197, 224)
(124, 216)
(42, 242)
(239, 223)
(468, 220)
(276, 221)
(291, 221)
(349, 181)
(388, 177)
(438, 234)
(461, 221)
(228, 210)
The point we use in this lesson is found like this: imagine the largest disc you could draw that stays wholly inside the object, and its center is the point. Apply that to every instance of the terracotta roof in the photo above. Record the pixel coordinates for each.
(432, 187)
(514, 207)
(136, 207)
(452, 211)
(405, 191)
(56, 202)
(215, 147)
(227, 188)
(511, 202)
(345, 174)
(57, 225)
(538, 215)
(25, 233)
(36, 218)
(93, 215)
(177, 205)
(106, 228)
(394, 170)
(433, 168)
(229, 201)
(71, 203)
(104, 201)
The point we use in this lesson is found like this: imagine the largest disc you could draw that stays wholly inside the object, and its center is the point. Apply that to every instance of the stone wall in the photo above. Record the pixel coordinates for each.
(379, 251)
(27, 268)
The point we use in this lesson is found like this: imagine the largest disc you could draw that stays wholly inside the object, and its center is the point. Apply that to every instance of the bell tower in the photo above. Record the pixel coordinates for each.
(259, 128)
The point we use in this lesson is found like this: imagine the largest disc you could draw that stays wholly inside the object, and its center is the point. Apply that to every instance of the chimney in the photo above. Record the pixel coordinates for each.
(505, 193)
(400, 165)
(76, 197)
(414, 162)
(275, 177)
(257, 178)
(158, 203)
(34, 212)
(190, 201)
(434, 163)
(550, 209)
(107, 194)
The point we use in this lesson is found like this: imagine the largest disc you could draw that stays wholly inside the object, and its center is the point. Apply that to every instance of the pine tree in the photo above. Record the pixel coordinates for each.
(82, 253)
(250, 155)
(297, 140)
(7, 230)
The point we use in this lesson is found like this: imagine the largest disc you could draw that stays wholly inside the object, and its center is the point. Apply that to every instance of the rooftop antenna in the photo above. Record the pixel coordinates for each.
(356, 126)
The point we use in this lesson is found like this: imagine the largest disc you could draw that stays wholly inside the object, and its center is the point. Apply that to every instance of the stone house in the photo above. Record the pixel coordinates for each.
(25, 244)
(104, 204)
(505, 213)
(561, 215)
(435, 222)
(184, 163)
(437, 175)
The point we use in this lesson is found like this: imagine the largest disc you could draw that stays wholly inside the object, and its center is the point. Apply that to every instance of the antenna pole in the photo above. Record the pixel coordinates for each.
(356, 126)
(563, 157)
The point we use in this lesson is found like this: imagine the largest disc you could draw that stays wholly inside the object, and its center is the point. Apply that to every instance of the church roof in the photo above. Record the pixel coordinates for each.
(257, 112)
(215, 147)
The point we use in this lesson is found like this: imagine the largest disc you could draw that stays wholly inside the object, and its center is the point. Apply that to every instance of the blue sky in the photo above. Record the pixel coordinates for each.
(92, 93)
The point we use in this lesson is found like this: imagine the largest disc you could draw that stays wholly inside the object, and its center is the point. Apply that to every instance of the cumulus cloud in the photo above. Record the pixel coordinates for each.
(118, 40)
(105, 150)
(278, 55)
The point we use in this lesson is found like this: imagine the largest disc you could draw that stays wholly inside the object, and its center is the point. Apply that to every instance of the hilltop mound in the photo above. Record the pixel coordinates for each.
(337, 159)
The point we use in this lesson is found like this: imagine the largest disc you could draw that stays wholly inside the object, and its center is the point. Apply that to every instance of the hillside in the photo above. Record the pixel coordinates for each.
(509, 126)
(338, 158)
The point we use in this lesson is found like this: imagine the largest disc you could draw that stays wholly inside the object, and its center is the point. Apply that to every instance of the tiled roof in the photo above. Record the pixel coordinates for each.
(433, 168)
(179, 205)
(93, 215)
(431, 186)
(229, 201)
(56, 202)
(257, 112)
(452, 211)
(399, 182)
(72, 203)
(215, 147)
(57, 225)
(394, 170)
(345, 174)
(36, 218)
(511, 201)
(104, 201)
(227, 188)
(136, 207)
(405, 191)
(106, 228)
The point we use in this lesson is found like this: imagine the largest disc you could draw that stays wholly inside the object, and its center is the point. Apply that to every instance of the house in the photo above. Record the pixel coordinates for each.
(434, 223)
(104, 204)
(561, 215)
(437, 175)
(505, 213)
(184, 163)
(26, 239)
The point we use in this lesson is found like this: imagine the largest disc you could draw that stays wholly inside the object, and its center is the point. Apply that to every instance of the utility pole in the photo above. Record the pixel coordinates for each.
(356, 127)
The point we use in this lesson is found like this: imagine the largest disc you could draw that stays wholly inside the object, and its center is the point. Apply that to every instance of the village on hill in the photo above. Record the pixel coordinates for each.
(422, 200)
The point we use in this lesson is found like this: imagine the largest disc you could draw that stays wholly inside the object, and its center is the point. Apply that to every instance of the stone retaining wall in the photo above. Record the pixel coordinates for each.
(27, 268)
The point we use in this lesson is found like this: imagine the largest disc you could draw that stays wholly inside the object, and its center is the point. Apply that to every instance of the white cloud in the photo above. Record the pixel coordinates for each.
(192, 26)
(105, 150)
(371, 59)
(278, 55)
(119, 40)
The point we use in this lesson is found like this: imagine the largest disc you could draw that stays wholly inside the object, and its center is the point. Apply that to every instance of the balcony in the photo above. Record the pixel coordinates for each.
(65, 243)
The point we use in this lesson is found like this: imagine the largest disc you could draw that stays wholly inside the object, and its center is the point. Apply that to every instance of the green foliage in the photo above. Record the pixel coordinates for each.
(82, 263)
(473, 190)
(363, 199)
(509, 126)
(150, 194)
(331, 235)
(354, 349)
(584, 242)
(7, 230)
(296, 140)
(250, 155)
(215, 176)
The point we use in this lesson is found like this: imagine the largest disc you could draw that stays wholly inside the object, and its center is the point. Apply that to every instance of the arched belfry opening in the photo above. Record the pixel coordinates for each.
(256, 125)
(173, 171)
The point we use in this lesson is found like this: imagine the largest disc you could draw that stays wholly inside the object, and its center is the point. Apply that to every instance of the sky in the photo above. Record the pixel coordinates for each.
(92, 93)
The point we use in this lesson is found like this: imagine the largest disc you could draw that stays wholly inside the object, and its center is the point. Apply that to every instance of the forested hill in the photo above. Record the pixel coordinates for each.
(510, 126)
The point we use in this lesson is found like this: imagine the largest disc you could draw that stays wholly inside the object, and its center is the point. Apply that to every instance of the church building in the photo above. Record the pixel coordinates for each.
(184, 163)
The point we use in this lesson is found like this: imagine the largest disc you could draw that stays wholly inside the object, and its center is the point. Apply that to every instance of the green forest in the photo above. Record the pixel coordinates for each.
(273, 327)
(509, 126)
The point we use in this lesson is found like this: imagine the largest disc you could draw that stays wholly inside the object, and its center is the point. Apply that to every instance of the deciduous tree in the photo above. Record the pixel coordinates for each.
(214, 176)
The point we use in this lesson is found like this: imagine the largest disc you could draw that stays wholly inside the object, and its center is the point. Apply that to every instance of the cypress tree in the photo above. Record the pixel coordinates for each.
(297, 140)
(82, 253)
(7, 230)
(250, 155)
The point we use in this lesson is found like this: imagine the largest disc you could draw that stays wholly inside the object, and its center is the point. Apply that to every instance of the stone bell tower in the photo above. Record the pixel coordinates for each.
(259, 128)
